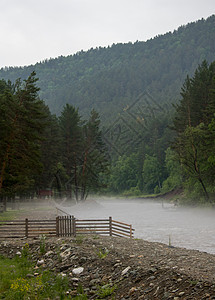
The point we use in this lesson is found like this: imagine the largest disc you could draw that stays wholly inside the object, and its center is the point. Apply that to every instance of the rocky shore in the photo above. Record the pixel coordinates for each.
(122, 268)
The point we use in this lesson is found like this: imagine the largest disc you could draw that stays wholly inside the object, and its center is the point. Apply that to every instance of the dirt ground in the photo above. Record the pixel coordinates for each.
(127, 268)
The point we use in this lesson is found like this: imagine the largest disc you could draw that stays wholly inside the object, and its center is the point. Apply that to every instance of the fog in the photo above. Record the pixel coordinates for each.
(190, 228)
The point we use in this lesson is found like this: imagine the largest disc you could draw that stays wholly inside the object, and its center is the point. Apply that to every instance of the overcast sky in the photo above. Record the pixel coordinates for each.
(34, 30)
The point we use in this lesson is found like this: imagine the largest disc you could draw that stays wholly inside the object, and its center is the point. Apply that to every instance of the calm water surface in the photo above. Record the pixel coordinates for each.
(189, 228)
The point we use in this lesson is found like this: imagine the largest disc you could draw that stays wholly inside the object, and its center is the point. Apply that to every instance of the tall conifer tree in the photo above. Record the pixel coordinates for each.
(23, 119)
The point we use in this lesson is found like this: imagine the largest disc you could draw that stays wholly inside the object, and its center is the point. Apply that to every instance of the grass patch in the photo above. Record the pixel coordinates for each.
(18, 280)
(105, 291)
(79, 239)
(42, 244)
(102, 253)
(8, 215)
(10, 271)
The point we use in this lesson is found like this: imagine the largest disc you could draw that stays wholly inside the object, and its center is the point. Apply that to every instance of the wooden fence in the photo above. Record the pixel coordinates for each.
(27, 228)
(64, 226)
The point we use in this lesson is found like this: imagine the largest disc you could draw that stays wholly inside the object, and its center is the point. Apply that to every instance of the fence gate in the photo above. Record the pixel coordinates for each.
(64, 226)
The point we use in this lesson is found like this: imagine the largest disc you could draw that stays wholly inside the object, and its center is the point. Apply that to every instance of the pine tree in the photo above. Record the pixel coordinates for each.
(51, 153)
(191, 123)
(22, 124)
(71, 132)
(94, 158)
(84, 154)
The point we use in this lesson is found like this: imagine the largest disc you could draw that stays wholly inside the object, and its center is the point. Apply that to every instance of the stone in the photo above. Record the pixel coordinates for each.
(40, 262)
(65, 267)
(77, 271)
(125, 270)
(74, 279)
(132, 290)
(94, 282)
(49, 253)
(66, 253)
(117, 265)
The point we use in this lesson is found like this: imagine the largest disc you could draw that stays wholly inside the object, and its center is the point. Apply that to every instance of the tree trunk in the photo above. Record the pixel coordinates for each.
(204, 189)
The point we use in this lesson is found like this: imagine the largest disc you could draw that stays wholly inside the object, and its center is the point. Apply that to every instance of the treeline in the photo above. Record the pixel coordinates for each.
(178, 149)
(110, 78)
(148, 150)
(40, 151)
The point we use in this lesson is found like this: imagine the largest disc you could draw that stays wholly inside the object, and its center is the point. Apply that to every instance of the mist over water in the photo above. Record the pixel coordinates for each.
(190, 228)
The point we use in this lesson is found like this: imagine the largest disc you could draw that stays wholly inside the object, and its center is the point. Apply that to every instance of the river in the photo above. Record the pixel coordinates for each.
(191, 228)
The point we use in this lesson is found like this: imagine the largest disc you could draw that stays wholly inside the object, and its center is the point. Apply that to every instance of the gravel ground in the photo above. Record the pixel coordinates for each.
(130, 268)
(136, 268)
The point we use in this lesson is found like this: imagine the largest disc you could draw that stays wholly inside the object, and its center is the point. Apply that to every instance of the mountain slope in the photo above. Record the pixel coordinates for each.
(108, 79)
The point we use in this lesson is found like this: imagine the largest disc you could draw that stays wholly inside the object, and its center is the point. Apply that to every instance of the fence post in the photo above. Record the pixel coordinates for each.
(70, 225)
(57, 226)
(130, 231)
(26, 227)
(110, 226)
(73, 226)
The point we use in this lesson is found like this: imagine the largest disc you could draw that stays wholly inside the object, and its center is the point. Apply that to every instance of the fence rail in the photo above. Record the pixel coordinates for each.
(27, 228)
(64, 226)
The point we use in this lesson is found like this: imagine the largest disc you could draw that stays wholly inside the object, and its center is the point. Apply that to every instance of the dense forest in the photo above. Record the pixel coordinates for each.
(39, 151)
(142, 145)
(109, 79)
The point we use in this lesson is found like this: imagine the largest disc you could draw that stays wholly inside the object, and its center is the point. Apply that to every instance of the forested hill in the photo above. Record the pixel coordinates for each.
(108, 79)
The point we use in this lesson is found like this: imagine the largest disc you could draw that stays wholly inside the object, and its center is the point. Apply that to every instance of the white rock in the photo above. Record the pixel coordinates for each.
(77, 271)
(125, 270)
(40, 262)
(49, 253)
(73, 278)
(66, 253)
(18, 253)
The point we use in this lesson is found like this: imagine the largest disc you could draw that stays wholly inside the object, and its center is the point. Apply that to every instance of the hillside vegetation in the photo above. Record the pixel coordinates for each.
(108, 79)
(115, 128)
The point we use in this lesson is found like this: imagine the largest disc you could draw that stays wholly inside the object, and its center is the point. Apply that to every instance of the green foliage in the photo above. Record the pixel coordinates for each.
(151, 173)
(105, 291)
(102, 253)
(7, 215)
(39, 150)
(84, 153)
(193, 123)
(80, 293)
(25, 251)
(124, 173)
(79, 239)
(110, 78)
(174, 179)
(133, 191)
(43, 244)
(15, 284)
(51, 155)
(23, 120)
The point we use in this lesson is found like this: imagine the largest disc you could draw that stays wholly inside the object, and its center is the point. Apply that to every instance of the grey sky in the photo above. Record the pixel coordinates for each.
(33, 30)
